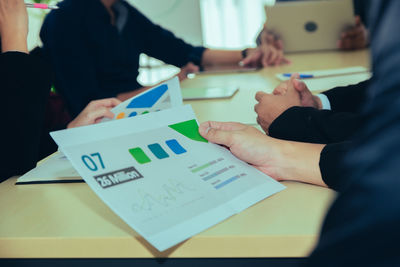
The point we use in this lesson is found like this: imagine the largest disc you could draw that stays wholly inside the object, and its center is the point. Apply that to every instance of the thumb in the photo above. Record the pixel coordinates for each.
(299, 86)
(246, 61)
(215, 134)
(190, 67)
(250, 59)
(195, 68)
(281, 89)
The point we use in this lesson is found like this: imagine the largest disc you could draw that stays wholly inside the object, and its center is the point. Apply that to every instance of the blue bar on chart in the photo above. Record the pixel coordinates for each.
(175, 147)
(230, 180)
(158, 151)
(149, 98)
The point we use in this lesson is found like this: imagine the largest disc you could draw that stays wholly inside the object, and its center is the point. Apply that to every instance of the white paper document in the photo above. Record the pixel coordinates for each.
(160, 97)
(57, 168)
(161, 177)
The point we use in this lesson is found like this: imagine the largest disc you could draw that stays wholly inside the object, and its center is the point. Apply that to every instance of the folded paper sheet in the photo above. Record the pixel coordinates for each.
(58, 169)
(161, 97)
(161, 177)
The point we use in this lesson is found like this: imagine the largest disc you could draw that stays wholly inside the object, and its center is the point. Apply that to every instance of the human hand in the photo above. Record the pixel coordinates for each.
(271, 106)
(263, 56)
(13, 25)
(94, 112)
(246, 143)
(268, 53)
(281, 160)
(356, 37)
(187, 69)
(307, 99)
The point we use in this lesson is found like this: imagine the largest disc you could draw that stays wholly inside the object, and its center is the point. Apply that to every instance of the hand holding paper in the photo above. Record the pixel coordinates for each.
(163, 96)
(95, 112)
(246, 143)
(161, 176)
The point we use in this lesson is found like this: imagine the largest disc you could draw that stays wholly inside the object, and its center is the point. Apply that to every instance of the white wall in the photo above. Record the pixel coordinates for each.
(182, 17)
(232, 24)
(35, 23)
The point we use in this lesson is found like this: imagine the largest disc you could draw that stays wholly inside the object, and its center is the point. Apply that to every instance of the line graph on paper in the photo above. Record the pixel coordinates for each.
(169, 194)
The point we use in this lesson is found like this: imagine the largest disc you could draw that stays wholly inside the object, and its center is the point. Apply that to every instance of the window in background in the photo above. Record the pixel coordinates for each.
(183, 18)
(226, 24)
(232, 23)
(36, 17)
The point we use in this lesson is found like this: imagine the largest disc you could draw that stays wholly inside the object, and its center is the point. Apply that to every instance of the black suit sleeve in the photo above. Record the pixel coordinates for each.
(162, 44)
(330, 165)
(304, 124)
(25, 88)
(348, 98)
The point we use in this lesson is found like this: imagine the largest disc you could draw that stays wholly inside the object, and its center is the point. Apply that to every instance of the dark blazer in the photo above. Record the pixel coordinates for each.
(362, 226)
(25, 85)
(93, 59)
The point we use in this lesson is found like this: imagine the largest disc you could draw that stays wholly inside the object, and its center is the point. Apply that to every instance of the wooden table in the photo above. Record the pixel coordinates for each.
(70, 221)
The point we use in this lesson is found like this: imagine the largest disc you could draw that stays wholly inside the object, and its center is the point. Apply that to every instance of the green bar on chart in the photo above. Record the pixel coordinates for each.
(138, 154)
(200, 168)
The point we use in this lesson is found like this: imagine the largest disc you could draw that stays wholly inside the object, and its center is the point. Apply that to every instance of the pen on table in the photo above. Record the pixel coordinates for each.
(41, 6)
(302, 76)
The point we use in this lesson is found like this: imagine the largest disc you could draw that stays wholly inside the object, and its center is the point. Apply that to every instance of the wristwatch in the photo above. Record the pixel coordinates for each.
(245, 53)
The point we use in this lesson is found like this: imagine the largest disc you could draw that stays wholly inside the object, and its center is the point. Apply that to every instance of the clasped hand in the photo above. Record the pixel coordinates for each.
(286, 95)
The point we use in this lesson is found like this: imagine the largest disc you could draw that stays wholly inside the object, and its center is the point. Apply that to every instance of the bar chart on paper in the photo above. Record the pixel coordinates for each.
(214, 172)
(161, 97)
(157, 150)
(167, 182)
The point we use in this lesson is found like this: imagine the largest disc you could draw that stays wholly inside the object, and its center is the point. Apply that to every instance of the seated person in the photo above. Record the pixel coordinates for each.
(361, 227)
(94, 46)
(25, 84)
(355, 37)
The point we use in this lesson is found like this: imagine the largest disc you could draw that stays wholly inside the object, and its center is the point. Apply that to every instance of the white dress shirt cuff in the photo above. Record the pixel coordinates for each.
(326, 104)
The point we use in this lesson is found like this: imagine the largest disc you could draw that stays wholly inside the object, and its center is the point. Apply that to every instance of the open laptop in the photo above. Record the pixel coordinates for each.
(310, 25)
